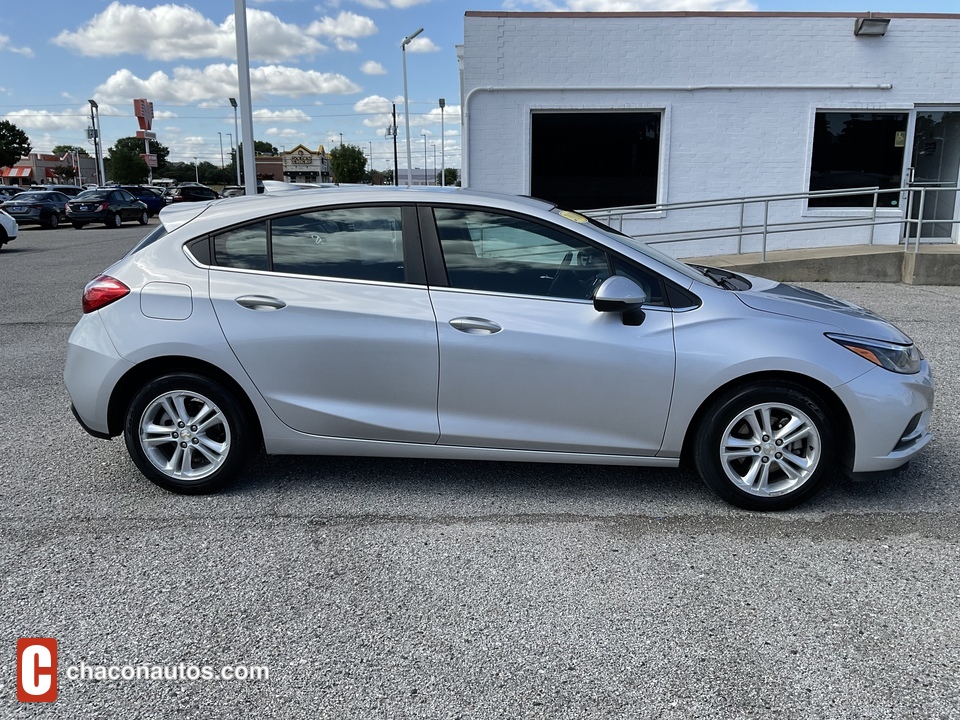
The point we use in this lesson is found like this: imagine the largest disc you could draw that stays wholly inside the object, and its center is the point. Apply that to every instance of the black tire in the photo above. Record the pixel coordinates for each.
(78, 226)
(113, 221)
(53, 221)
(761, 471)
(189, 469)
(144, 218)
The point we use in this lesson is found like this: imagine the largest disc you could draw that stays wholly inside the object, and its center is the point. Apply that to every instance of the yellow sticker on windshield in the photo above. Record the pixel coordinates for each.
(576, 217)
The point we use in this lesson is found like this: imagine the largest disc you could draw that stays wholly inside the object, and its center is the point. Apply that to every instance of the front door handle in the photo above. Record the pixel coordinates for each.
(261, 302)
(475, 326)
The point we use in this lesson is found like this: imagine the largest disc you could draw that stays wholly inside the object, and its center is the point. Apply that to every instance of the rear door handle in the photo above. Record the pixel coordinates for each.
(475, 326)
(261, 302)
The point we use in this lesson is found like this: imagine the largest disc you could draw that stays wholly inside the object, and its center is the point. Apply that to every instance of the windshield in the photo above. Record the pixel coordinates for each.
(649, 251)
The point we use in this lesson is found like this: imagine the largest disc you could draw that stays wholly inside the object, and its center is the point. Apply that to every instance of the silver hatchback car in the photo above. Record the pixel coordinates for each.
(454, 324)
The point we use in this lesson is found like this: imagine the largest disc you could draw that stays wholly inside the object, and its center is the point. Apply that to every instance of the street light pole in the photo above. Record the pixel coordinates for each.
(406, 102)
(443, 174)
(97, 140)
(196, 169)
(236, 129)
(220, 137)
(434, 146)
(426, 170)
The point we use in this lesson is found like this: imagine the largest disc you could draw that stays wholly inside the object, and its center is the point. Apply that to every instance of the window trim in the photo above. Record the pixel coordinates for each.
(413, 264)
(662, 175)
(437, 271)
(851, 211)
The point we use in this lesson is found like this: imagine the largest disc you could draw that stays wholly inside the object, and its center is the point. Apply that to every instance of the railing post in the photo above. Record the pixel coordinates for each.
(743, 204)
(908, 220)
(873, 220)
(763, 247)
(923, 200)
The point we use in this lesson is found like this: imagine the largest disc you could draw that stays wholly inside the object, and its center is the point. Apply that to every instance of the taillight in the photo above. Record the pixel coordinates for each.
(101, 291)
(104, 206)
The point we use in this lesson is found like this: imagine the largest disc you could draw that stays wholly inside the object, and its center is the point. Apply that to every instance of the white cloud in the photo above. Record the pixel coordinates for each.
(373, 104)
(46, 121)
(6, 46)
(292, 116)
(372, 67)
(174, 32)
(219, 81)
(422, 44)
(346, 24)
(629, 5)
(377, 109)
(285, 133)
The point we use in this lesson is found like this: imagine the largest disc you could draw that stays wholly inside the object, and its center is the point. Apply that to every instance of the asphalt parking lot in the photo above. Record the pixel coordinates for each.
(420, 589)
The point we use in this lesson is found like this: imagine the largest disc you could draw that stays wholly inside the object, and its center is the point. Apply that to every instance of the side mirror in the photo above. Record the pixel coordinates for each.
(621, 294)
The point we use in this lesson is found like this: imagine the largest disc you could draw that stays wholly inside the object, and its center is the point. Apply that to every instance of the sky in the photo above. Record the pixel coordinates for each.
(322, 71)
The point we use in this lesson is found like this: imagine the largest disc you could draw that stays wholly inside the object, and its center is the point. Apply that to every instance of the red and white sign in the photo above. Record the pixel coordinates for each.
(150, 159)
(146, 135)
(143, 109)
(36, 670)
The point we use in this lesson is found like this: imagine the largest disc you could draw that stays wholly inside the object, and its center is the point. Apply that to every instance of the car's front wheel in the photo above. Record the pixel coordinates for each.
(765, 446)
(187, 433)
(144, 218)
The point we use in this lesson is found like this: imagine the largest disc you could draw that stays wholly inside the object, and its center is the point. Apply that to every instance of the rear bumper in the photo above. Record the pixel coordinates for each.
(92, 371)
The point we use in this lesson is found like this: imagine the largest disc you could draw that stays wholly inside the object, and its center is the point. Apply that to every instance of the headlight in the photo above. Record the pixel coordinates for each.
(890, 356)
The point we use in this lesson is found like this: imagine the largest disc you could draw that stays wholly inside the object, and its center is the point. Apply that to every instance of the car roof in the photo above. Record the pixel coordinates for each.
(214, 214)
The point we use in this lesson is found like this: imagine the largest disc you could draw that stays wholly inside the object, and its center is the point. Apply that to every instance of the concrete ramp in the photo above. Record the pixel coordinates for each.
(932, 265)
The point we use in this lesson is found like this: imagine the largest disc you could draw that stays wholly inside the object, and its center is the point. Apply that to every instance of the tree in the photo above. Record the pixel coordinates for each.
(451, 177)
(127, 168)
(61, 150)
(347, 164)
(137, 146)
(14, 143)
(64, 173)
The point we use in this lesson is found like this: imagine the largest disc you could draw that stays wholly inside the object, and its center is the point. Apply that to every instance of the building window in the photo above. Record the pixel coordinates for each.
(591, 160)
(853, 150)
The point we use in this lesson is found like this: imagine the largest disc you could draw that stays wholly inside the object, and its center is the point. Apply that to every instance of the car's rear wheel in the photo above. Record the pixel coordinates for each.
(144, 218)
(114, 220)
(765, 446)
(53, 221)
(187, 433)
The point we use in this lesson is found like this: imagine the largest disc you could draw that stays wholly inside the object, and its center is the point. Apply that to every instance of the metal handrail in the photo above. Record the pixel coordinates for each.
(869, 217)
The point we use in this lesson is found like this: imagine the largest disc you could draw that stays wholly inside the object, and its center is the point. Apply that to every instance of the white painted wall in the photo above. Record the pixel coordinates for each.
(738, 91)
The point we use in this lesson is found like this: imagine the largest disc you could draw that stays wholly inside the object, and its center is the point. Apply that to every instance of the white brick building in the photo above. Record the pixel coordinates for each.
(602, 109)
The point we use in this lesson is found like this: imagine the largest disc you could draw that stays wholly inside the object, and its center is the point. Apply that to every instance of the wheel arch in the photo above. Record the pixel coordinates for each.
(845, 437)
(138, 376)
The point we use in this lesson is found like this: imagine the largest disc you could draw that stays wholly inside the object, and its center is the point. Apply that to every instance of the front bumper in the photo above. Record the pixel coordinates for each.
(890, 414)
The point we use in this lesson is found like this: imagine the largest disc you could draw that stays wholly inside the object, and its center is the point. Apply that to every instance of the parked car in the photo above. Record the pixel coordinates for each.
(191, 193)
(68, 190)
(8, 229)
(8, 192)
(111, 206)
(37, 208)
(152, 197)
(460, 325)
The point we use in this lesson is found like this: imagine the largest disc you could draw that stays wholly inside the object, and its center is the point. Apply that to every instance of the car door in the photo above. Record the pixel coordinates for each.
(328, 313)
(526, 362)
